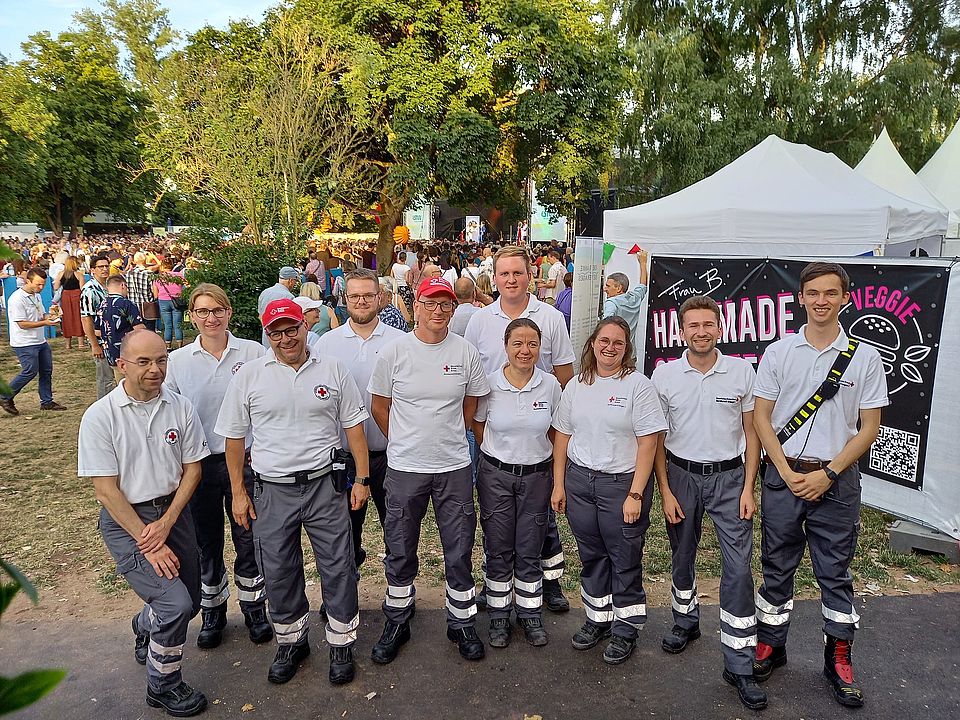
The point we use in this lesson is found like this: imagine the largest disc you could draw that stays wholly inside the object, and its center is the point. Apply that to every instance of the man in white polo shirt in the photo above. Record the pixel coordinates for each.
(811, 487)
(293, 392)
(512, 274)
(708, 462)
(142, 445)
(357, 344)
(425, 387)
(28, 324)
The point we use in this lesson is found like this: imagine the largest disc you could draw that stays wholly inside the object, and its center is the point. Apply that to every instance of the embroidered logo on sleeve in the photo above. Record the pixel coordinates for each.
(171, 436)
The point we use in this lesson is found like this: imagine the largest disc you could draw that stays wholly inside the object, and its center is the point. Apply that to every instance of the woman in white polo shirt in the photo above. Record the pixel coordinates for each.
(512, 427)
(606, 438)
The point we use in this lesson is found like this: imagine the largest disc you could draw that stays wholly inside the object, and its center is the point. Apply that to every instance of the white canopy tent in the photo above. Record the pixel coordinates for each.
(779, 198)
(884, 166)
(941, 175)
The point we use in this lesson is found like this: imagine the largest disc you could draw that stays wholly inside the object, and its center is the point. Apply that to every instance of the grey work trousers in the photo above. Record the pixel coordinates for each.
(408, 494)
(718, 494)
(105, 378)
(378, 471)
(211, 499)
(513, 513)
(830, 527)
(283, 512)
(168, 604)
(611, 582)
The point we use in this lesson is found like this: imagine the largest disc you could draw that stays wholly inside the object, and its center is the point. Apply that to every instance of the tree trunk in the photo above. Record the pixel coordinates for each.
(391, 216)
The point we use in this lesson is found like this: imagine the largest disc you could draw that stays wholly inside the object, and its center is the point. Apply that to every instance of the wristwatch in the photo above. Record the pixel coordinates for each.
(831, 474)
(635, 496)
(362, 480)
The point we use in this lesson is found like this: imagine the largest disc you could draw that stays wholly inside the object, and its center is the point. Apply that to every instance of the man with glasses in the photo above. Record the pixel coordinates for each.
(201, 371)
(141, 446)
(93, 293)
(357, 344)
(289, 278)
(294, 392)
(28, 323)
(424, 387)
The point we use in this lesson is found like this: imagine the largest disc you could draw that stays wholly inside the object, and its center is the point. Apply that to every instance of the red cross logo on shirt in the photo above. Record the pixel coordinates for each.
(612, 398)
(446, 368)
(171, 436)
(321, 392)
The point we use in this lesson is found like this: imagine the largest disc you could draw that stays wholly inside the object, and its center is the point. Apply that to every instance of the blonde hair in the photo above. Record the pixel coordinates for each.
(484, 285)
(212, 291)
(311, 290)
(509, 251)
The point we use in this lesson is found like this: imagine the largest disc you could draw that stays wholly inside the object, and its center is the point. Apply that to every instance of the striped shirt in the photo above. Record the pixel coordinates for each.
(92, 294)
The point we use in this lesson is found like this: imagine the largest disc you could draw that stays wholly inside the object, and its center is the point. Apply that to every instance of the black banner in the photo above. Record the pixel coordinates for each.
(898, 309)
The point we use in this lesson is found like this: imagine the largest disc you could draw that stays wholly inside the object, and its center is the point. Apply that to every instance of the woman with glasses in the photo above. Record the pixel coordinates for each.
(326, 318)
(512, 426)
(201, 372)
(606, 438)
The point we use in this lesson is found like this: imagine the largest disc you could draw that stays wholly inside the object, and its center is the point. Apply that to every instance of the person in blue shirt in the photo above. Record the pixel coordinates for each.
(623, 301)
(116, 317)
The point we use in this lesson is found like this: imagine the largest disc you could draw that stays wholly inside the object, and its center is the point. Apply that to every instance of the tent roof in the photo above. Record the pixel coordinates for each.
(779, 197)
(884, 166)
(941, 175)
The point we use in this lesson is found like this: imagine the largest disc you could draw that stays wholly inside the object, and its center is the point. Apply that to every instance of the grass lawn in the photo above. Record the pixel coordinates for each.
(48, 516)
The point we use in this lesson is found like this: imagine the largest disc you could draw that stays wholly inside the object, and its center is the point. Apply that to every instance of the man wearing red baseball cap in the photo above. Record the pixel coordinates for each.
(423, 387)
(293, 392)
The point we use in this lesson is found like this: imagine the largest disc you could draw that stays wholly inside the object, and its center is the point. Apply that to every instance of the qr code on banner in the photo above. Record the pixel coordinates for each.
(896, 452)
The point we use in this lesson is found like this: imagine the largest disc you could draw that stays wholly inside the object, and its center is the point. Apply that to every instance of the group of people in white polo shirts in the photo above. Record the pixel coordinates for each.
(298, 436)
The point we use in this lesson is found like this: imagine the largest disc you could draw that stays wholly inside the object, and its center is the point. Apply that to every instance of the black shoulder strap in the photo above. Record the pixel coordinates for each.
(828, 388)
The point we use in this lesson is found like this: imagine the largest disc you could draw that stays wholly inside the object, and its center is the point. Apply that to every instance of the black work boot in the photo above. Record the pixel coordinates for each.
(678, 639)
(751, 694)
(533, 631)
(287, 661)
(589, 635)
(766, 658)
(468, 643)
(214, 622)
(618, 650)
(838, 669)
(500, 632)
(141, 641)
(257, 624)
(341, 665)
(554, 598)
(181, 701)
(392, 638)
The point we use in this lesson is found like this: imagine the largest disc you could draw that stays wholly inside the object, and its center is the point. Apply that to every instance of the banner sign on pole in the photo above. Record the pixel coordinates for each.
(898, 309)
(587, 269)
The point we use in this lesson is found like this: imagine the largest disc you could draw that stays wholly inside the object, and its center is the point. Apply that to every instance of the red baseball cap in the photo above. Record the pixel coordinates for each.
(284, 309)
(435, 286)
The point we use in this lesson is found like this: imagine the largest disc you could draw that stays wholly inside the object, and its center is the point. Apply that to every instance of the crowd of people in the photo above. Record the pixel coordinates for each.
(296, 433)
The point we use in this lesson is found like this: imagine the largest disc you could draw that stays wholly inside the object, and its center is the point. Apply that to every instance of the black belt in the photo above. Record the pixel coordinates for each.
(514, 469)
(705, 468)
(158, 502)
(298, 478)
(374, 453)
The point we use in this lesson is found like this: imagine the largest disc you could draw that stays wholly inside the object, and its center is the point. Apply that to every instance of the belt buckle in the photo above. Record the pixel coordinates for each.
(516, 470)
(708, 468)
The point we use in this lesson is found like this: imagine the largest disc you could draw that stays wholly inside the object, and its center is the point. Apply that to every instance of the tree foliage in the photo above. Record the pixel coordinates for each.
(712, 79)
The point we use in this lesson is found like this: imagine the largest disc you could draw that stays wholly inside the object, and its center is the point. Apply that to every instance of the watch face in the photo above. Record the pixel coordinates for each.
(634, 495)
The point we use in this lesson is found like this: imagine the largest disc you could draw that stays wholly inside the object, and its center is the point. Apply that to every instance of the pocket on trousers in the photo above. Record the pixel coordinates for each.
(394, 532)
(468, 524)
(772, 479)
(632, 548)
(541, 519)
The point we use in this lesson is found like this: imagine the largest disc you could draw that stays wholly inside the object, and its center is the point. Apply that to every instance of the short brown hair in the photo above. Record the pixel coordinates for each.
(210, 290)
(819, 269)
(508, 251)
(522, 322)
(700, 302)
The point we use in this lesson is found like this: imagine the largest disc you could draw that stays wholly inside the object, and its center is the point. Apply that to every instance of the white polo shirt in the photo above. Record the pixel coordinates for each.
(517, 420)
(359, 357)
(605, 419)
(198, 375)
(487, 326)
(27, 307)
(295, 415)
(705, 410)
(792, 369)
(146, 444)
(427, 384)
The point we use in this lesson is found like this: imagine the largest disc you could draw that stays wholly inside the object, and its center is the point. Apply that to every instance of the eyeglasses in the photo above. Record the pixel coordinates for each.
(204, 313)
(101, 267)
(366, 297)
(290, 332)
(431, 305)
(145, 362)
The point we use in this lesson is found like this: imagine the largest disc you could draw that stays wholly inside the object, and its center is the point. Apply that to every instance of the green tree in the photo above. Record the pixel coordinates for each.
(23, 152)
(91, 139)
(471, 99)
(711, 79)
